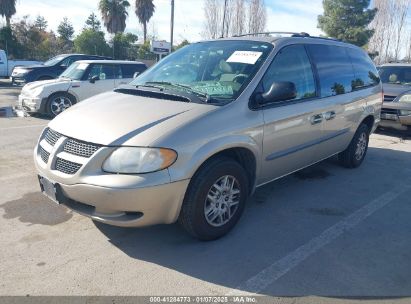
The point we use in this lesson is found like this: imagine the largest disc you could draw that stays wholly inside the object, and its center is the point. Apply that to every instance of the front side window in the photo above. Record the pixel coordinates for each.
(216, 69)
(292, 65)
(395, 75)
(54, 60)
(102, 71)
(334, 68)
(365, 72)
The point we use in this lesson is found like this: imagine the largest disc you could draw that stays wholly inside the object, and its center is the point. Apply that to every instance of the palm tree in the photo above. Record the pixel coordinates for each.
(144, 11)
(7, 9)
(114, 14)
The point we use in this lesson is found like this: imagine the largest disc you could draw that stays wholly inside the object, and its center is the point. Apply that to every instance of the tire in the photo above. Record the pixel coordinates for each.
(354, 155)
(59, 102)
(197, 201)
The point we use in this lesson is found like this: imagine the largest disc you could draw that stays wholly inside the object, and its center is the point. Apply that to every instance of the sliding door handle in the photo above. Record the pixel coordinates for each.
(316, 119)
(329, 115)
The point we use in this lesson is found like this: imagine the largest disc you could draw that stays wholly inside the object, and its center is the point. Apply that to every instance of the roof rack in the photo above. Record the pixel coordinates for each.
(292, 34)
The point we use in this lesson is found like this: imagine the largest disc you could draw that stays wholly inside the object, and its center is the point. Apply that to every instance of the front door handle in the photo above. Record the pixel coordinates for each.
(316, 119)
(329, 115)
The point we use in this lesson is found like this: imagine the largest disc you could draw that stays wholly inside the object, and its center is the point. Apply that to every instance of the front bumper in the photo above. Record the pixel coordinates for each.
(29, 104)
(126, 207)
(398, 122)
(18, 79)
(115, 199)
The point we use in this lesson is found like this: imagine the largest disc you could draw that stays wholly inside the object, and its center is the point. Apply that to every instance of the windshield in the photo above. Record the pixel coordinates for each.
(54, 60)
(396, 75)
(75, 71)
(219, 70)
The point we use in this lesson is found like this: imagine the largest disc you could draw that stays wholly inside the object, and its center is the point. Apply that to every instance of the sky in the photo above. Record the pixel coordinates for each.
(282, 15)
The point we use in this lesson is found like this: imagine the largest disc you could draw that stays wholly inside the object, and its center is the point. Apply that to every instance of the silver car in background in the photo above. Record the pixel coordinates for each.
(191, 138)
(396, 109)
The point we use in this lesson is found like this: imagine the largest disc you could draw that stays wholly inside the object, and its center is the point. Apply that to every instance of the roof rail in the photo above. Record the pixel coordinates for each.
(292, 34)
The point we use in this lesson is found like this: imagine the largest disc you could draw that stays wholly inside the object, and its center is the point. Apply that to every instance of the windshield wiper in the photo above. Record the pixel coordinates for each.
(157, 84)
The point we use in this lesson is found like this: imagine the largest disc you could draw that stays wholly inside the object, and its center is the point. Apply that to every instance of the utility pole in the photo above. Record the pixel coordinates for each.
(172, 25)
(225, 8)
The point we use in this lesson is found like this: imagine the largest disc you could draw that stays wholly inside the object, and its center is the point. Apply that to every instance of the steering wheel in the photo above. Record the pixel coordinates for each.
(238, 77)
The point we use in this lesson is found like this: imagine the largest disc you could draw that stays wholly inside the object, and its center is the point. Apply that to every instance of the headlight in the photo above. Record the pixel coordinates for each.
(405, 112)
(133, 160)
(405, 98)
(37, 91)
(22, 72)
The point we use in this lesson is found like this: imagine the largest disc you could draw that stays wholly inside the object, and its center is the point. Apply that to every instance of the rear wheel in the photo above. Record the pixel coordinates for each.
(354, 155)
(58, 103)
(215, 199)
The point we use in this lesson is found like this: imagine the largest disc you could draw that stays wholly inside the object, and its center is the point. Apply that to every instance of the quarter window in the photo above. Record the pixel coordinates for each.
(365, 72)
(334, 69)
(292, 65)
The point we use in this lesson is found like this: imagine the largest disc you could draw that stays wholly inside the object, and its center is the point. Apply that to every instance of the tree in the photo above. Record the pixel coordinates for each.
(9, 43)
(91, 42)
(7, 9)
(65, 30)
(40, 23)
(213, 18)
(114, 14)
(257, 16)
(93, 23)
(123, 45)
(390, 26)
(182, 44)
(347, 20)
(144, 11)
(239, 17)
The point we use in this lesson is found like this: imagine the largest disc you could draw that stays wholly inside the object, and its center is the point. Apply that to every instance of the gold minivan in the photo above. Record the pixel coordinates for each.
(192, 137)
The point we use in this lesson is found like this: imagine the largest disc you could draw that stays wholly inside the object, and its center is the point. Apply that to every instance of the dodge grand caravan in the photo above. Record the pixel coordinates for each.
(191, 138)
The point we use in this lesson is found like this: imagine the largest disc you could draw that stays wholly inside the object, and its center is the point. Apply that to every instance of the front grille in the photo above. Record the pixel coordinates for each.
(389, 98)
(52, 136)
(80, 148)
(44, 154)
(66, 166)
(389, 111)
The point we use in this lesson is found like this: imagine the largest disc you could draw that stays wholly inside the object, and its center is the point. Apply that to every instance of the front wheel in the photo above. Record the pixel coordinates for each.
(59, 102)
(354, 155)
(215, 199)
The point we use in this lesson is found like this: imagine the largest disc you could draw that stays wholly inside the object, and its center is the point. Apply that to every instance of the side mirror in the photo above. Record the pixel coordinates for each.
(94, 79)
(136, 74)
(279, 91)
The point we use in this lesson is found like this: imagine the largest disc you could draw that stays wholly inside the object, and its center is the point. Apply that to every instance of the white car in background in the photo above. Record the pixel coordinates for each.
(81, 80)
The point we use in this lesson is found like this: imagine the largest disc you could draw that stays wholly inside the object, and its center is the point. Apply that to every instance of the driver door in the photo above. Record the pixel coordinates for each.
(103, 83)
(292, 128)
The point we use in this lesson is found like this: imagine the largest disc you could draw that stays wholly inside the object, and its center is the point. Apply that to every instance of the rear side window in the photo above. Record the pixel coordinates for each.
(366, 74)
(292, 65)
(334, 69)
(130, 69)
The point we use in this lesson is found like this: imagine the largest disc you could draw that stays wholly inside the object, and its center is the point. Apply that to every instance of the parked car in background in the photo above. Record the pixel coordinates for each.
(7, 66)
(191, 138)
(50, 69)
(83, 79)
(396, 110)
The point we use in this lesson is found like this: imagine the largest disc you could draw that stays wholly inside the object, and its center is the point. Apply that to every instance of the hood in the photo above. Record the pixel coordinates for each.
(36, 84)
(395, 89)
(120, 119)
(31, 67)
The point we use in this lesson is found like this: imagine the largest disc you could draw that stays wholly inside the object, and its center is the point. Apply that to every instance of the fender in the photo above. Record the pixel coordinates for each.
(189, 161)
